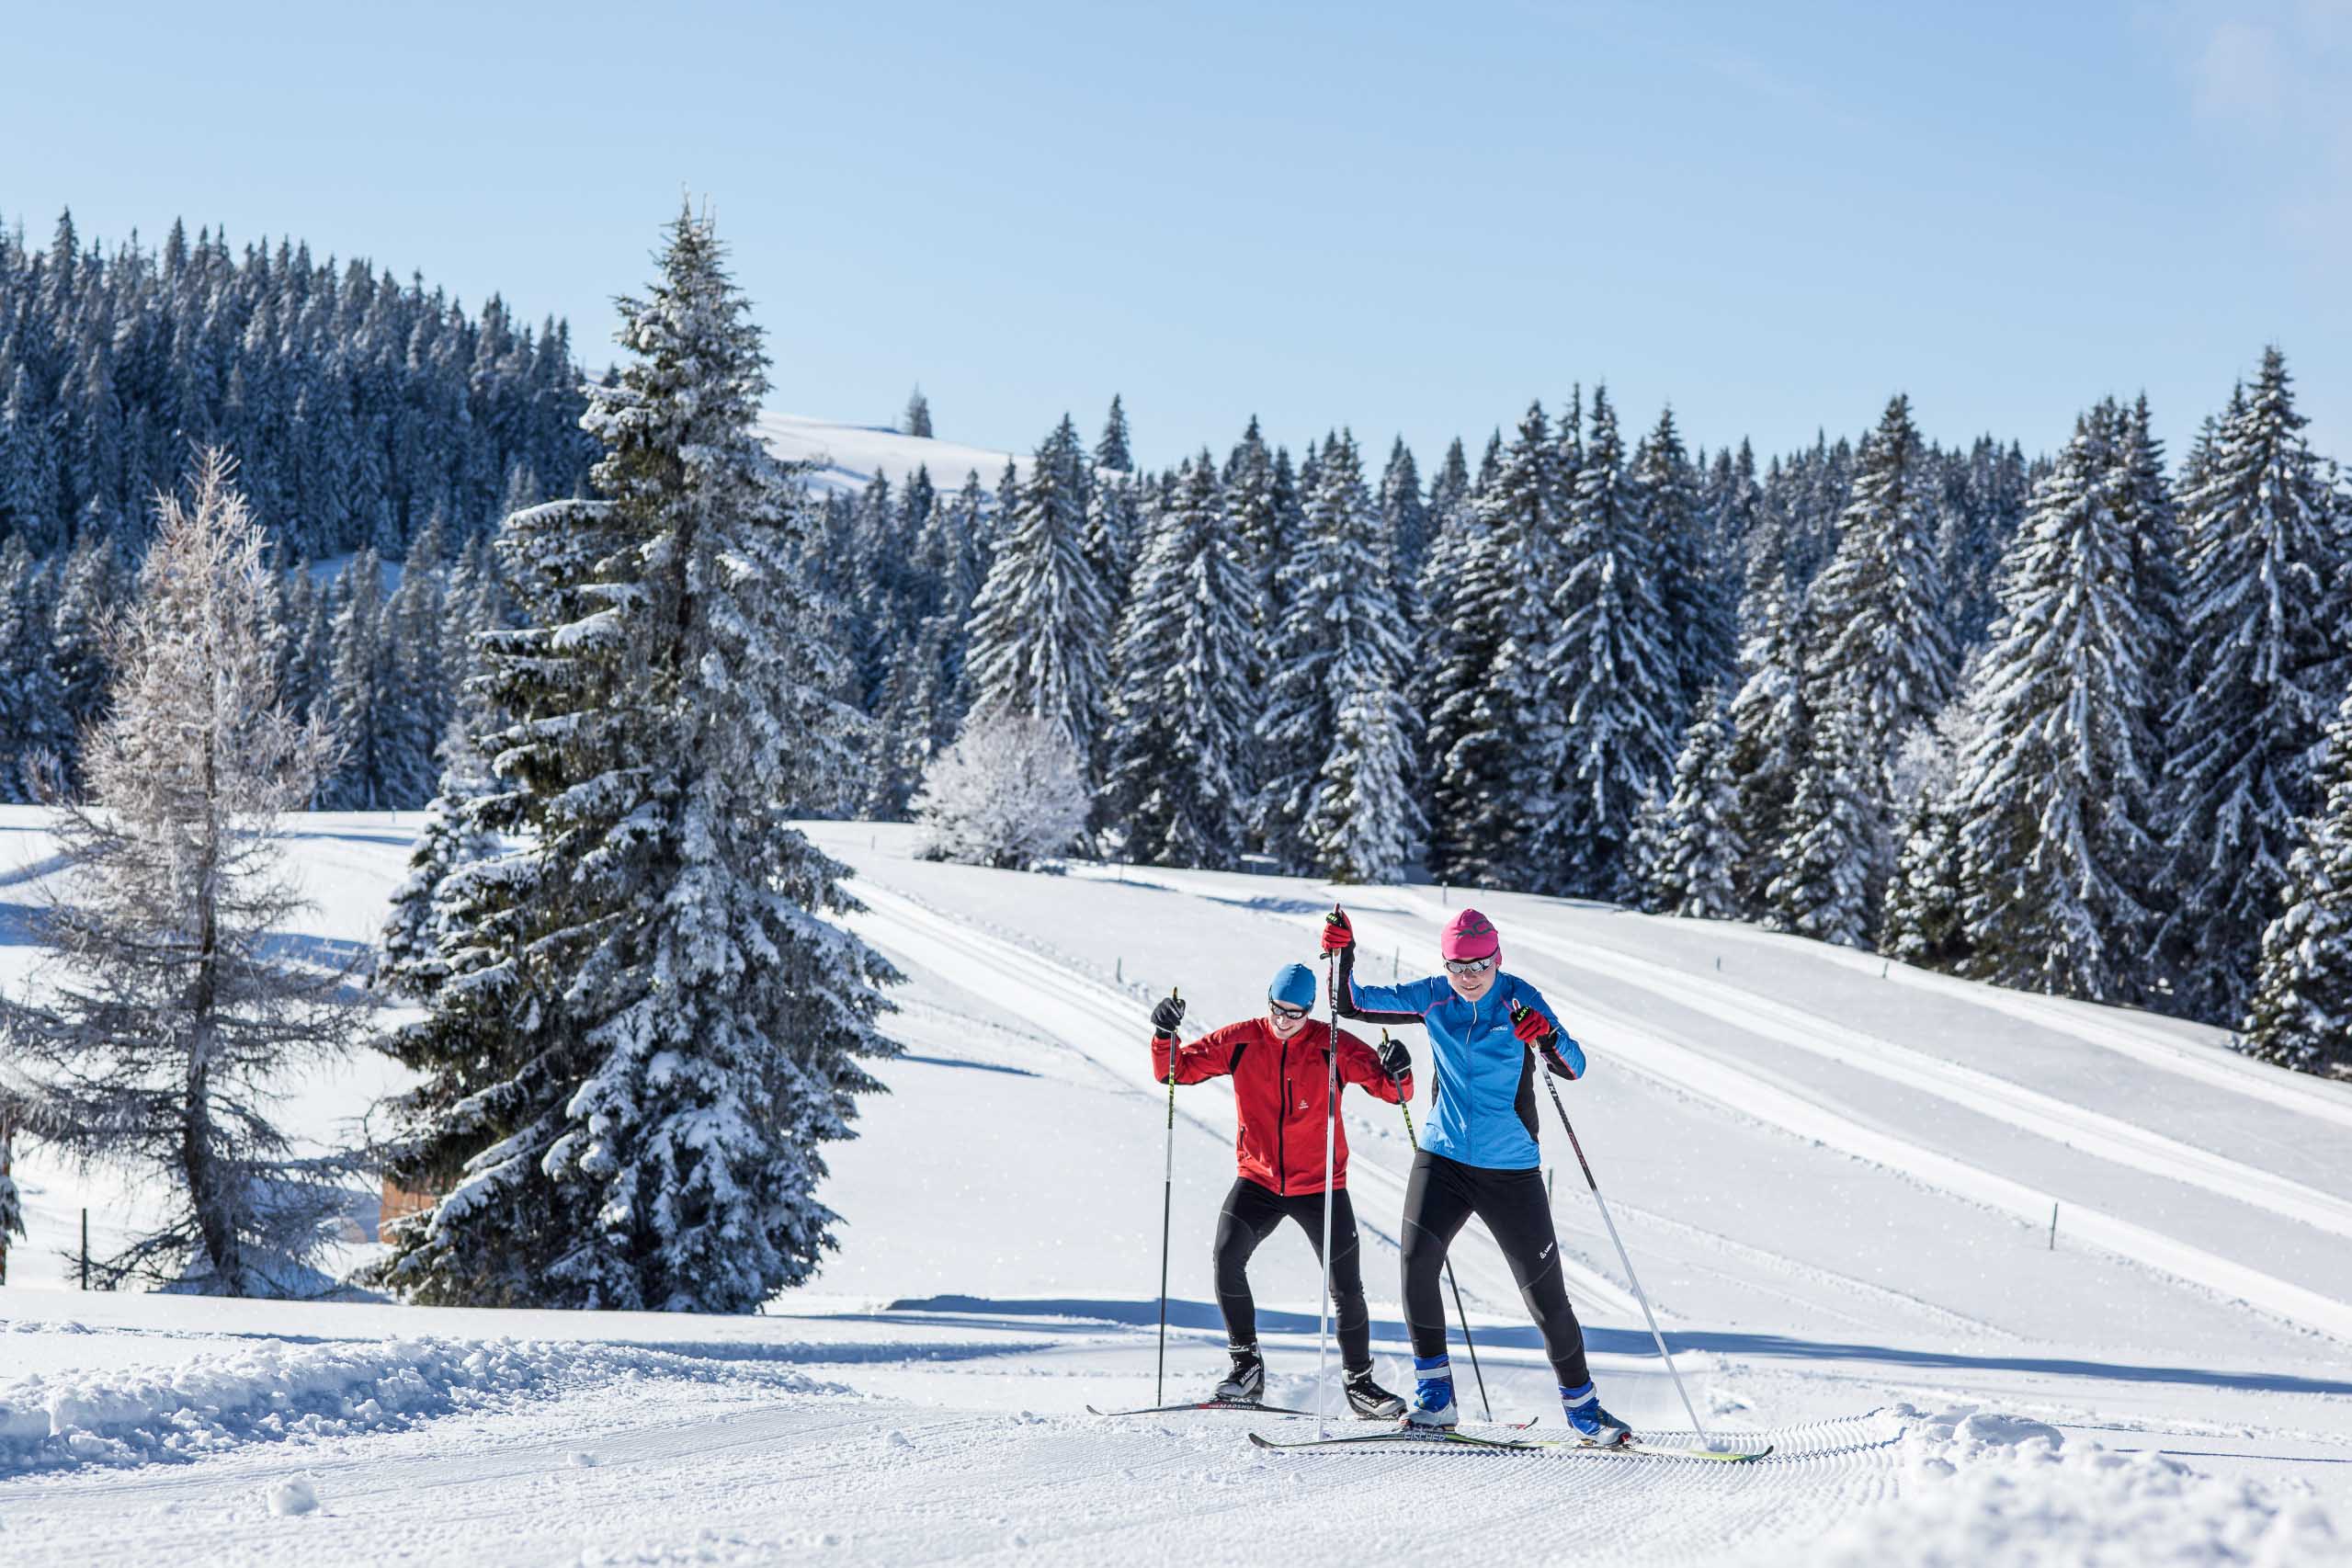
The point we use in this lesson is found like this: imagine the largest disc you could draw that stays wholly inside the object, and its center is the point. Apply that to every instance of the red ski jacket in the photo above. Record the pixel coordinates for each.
(1278, 1096)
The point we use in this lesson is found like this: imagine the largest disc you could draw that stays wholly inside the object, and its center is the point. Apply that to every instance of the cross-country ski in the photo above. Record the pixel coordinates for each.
(1209, 786)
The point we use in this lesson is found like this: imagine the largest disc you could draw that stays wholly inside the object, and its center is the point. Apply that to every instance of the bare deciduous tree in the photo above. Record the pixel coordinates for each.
(171, 1011)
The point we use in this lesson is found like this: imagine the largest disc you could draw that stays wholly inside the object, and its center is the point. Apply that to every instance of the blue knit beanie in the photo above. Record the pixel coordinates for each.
(1294, 986)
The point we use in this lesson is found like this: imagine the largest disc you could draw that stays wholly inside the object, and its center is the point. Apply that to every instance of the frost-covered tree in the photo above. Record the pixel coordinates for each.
(650, 1025)
(1610, 682)
(1882, 642)
(1691, 594)
(1112, 448)
(1179, 748)
(1489, 740)
(32, 723)
(2056, 794)
(160, 1040)
(1009, 794)
(1336, 690)
(425, 926)
(1403, 514)
(1040, 628)
(2301, 1013)
(917, 420)
(1823, 888)
(1695, 849)
(2263, 660)
(1925, 921)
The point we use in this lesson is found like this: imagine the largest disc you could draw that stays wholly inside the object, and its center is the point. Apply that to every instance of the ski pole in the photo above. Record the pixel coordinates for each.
(1518, 1009)
(1460, 1317)
(1330, 1126)
(1167, 1210)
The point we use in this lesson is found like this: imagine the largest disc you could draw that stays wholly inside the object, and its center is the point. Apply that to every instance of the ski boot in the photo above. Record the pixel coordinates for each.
(1433, 1393)
(1591, 1421)
(1245, 1384)
(1370, 1401)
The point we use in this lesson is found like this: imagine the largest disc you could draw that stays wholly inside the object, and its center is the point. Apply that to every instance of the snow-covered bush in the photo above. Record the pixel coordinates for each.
(1008, 794)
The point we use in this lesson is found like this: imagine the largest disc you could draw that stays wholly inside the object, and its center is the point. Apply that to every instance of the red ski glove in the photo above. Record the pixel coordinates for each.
(1530, 1025)
(1338, 935)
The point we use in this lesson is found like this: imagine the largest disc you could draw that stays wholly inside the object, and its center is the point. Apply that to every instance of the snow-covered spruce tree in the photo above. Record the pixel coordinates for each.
(1611, 687)
(649, 1026)
(160, 1040)
(1008, 794)
(1112, 450)
(2301, 1014)
(1040, 628)
(1697, 848)
(374, 711)
(1882, 641)
(1698, 609)
(2055, 794)
(1924, 922)
(87, 594)
(1331, 802)
(1823, 888)
(917, 420)
(32, 729)
(425, 926)
(1488, 738)
(1405, 515)
(1179, 748)
(2264, 586)
(2145, 508)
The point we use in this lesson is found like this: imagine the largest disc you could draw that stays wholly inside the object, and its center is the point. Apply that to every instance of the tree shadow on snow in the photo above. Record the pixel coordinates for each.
(980, 1311)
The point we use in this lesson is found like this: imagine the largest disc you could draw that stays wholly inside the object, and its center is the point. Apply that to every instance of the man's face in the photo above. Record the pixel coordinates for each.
(1469, 985)
(1287, 1020)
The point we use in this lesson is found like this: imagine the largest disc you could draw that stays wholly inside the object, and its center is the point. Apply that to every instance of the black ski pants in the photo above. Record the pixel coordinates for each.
(1438, 1200)
(1251, 1214)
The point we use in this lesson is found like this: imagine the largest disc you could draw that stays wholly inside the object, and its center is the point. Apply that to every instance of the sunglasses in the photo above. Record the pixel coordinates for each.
(1291, 1015)
(1469, 966)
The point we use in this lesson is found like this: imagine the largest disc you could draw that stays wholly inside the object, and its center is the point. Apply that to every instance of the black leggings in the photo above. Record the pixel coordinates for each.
(1441, 1197)
(1251, 1214)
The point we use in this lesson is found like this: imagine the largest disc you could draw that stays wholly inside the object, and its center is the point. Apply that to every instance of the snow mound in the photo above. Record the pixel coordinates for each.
(1981, 1486)
(276, 1391)
(295, 1494)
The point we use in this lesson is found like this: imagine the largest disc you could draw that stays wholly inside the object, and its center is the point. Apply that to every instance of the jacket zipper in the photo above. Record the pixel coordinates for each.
(1281, 1125)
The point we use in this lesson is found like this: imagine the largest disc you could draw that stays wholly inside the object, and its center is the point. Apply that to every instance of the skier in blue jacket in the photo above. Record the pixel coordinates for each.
(1487, 1028)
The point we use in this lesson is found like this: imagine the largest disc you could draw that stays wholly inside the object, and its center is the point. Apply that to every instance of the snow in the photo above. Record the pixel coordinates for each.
(850, 457)
(1833, 1173)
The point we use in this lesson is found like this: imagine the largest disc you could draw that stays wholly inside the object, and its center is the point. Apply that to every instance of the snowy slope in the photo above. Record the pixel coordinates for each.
(849, 457)
(1836, 1182)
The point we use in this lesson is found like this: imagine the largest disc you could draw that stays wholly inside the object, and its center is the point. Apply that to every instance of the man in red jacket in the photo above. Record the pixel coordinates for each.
(1279, 1065)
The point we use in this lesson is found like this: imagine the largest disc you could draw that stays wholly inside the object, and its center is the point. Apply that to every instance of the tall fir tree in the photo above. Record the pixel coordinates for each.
(1822, 886)
(1404, 514)
(1112, 450)
(1611, 686)
(2263, 658)
(2057, 790)
(1335, 734)
(655, 1025)
(2301, 1012)
(1884, 646)
(1925, 918)
(33, 734)
(1178, 777)
(917, 420)
(1691, 594)
(1040, 628)
(1488, 740)
(1698, 850)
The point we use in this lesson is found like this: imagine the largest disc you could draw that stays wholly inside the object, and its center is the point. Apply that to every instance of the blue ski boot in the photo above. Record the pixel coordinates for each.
(1433, 1393)
(1593, 1423)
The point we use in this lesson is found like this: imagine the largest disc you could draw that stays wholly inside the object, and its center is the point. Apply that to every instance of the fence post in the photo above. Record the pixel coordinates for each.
(85, 1249)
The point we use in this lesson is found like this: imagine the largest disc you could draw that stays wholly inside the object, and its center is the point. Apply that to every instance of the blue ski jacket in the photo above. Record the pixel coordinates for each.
(1481, 1108)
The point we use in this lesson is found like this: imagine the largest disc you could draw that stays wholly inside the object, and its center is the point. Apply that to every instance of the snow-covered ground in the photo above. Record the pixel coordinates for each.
(1835, 1177)
(850, 457)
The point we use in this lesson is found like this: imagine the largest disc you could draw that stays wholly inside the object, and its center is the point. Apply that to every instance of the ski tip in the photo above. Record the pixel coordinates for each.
(1261, 1442)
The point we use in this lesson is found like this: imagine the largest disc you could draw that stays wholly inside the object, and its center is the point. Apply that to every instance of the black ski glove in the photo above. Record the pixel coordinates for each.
(1167, 1016)
(1395, 1060)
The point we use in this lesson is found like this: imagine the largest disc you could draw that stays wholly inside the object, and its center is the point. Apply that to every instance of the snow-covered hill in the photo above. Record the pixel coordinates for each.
(849, 457)
(1834, 1175)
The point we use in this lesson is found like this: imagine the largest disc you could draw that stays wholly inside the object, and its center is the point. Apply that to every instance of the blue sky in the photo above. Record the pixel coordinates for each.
(1770, 216)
